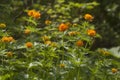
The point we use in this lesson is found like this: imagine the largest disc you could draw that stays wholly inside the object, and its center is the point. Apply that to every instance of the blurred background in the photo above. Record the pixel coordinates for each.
(105, 12)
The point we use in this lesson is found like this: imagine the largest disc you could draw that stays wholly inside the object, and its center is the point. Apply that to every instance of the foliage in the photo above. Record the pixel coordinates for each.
(48, 40)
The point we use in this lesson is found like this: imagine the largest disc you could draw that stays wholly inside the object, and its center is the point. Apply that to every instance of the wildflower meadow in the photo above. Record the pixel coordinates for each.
(53, 40)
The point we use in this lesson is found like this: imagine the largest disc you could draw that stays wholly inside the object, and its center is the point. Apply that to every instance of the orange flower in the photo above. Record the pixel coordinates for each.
(34, 14)
(62, 65)
(31, 12)
(7, 39)
(114, 70)
(91, 32)
(29, 45)
(79, 43)
(10, 39)
(27, 31)
(88, 17)
(9, 54)
(63, 27)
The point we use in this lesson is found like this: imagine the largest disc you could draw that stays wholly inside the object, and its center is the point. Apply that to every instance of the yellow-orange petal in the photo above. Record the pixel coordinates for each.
(79, 43)
(29, 45)
(88, 17)
(5, 39)
(114, 70)
(63, 27)
(36, 15)
(91, 32)
(31, 12)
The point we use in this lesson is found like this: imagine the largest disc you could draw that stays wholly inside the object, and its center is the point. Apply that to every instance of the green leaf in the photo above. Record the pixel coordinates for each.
(32, 29)
(60, 1)
(34, 64)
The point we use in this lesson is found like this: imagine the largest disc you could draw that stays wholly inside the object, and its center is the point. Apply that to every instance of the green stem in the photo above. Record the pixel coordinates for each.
(78, 75)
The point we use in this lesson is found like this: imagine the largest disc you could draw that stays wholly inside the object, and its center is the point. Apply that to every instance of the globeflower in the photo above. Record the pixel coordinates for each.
(79, 43)
(114, 70)
(7, 39)
(29, 45)
(63, 27)
(88, 17)
(31, 12)
(91, 32)
(2, 25)
(34, 14)
(11, 39)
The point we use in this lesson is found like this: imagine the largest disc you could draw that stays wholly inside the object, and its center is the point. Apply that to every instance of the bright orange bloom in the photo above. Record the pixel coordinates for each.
(34, 14)
(62, 65)
(29, 45)
(88, 17)
(37, 15)
(10, 39)
(9, 54)
(27, 31)
(114, 70)
(91, 32)
(79, 43)
(7, 39)
(31, 12)
(63, 27)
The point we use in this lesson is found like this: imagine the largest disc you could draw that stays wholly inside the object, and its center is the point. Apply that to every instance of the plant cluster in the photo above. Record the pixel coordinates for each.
(54, 46)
